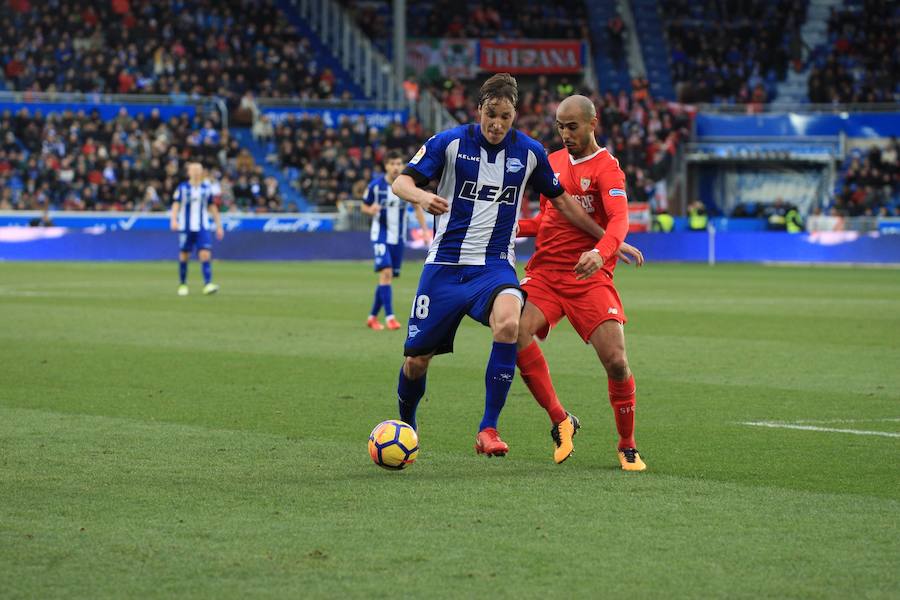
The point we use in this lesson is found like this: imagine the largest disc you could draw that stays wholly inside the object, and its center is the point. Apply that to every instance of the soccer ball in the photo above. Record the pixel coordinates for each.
(393, 445)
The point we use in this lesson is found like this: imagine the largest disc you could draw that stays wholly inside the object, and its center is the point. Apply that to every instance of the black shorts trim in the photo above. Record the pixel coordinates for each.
(486, 317)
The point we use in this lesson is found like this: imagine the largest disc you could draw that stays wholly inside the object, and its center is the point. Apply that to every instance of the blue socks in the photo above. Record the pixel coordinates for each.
(182, 271)
(383, 297)
(207, 272)
(410, 392)
(376, 304)
(498, 378)
(387, 299)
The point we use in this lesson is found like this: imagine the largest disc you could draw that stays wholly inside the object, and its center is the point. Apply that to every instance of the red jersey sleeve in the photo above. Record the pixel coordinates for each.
(529, 227)
(615, 204)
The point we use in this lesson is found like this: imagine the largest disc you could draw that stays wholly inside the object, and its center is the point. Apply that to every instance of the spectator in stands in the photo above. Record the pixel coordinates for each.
(160, 48)
(861, 63)
(262, 129)
(719, 48)
(615, 32)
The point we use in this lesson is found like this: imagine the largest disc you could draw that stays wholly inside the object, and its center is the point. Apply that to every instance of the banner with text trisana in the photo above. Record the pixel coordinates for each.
(534, 57)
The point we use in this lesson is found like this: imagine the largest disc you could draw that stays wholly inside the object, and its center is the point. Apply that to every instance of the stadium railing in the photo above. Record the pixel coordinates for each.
(784, 107)
(13, 100)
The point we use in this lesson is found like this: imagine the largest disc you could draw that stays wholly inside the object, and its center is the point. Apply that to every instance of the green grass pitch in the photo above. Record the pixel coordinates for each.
(215, 447)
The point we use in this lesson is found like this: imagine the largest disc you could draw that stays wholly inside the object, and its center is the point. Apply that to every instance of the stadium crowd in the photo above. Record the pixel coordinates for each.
(862, 61)
(732, 51)
(78, 161)
(333, 165)
(174, 48)
(506, 19)
(870, 186)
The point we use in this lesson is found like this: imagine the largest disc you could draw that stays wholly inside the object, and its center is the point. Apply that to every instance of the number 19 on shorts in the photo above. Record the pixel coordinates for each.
(420, 307)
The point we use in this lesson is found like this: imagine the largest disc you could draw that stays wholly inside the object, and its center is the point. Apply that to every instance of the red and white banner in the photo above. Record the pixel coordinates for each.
(639, 217)
(531, 57)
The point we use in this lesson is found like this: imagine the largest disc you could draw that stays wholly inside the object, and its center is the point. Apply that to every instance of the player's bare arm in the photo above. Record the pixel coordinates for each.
(370, 209)
(217, 218)
(405, 187)
(573, 211)
(173, 219)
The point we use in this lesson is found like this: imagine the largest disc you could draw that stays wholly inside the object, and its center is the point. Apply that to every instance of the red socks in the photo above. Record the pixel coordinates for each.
(536, 376)
(621, 397)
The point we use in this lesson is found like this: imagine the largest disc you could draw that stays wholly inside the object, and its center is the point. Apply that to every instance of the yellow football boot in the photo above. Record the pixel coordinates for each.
(562, 434)
(630, 459)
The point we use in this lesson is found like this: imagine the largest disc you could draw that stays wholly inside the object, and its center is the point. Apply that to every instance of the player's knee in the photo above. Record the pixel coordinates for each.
(616, 365)
(506, 328)
(416, 366)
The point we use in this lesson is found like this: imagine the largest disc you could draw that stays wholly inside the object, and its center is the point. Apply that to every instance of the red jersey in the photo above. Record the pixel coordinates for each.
(598, 184)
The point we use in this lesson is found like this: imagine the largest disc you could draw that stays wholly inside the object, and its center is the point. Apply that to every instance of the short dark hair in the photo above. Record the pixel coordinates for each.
(392, 155)
(498, 87)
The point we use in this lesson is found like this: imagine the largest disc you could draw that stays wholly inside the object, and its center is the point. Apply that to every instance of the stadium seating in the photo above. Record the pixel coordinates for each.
(869, 183)
(169, 48)
(506, 19)
(861, 62)
(77, 161)
(732, 52)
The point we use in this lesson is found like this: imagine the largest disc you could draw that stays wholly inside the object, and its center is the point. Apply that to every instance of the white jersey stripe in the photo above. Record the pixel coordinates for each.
(484, 213)
(446, 190)
(529, 167)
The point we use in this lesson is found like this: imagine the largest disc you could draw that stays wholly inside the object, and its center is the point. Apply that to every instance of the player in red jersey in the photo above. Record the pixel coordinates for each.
(586, 295)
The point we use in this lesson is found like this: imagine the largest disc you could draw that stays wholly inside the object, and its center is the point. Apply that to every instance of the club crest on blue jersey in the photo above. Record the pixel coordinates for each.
(514, 165)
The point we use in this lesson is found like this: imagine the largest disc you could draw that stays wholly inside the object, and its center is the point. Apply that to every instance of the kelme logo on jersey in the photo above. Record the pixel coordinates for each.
(514, 165)
(489, 193)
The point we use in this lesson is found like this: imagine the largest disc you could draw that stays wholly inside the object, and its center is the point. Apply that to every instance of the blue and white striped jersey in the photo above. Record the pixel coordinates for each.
(193, 214)
(484, 184)
(389, 225)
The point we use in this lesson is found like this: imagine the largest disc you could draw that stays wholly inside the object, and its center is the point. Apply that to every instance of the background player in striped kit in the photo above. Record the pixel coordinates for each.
(482, 170)
(389, 214)
(193, 203)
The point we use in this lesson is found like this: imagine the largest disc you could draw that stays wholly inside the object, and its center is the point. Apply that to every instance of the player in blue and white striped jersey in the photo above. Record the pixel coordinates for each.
(482, 170)
(388, 236)
(192, 204)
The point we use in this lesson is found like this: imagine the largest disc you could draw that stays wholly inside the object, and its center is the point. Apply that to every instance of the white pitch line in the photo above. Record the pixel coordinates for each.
(830, 421)
(814, 428)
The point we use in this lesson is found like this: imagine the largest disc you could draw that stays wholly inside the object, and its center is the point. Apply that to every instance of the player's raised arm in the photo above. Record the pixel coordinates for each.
(571, 209)
(405, 187)
(426, 165)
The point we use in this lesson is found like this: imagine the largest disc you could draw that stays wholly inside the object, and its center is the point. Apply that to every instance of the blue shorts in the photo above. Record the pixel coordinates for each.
(188, 240)
(388, 256)
(446, 294)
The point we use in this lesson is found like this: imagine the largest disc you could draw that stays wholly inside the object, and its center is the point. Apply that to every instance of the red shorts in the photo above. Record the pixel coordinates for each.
(586, 303)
